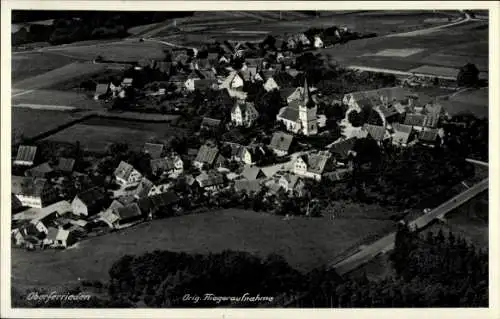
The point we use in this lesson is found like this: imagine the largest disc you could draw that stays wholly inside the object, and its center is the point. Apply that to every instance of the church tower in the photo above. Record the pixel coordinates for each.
(307, 113)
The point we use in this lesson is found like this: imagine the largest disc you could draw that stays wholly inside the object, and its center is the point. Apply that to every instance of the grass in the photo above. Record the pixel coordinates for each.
(31, 64)
(96, 134)
(59, 75)
(305, 243)
(54, 97)
(30, 122)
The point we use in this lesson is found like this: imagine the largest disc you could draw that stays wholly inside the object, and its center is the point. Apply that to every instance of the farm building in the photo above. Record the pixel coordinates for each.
(244, 114)
(126, 174)
(167, 165)
(252, 173)
(40, 171)
(25, 155)
(253, 186)
(127, 216)
(314, 166)
(402, 134)
(143, 189)
(280, 143)
(292, 184)
(210, 181)
(158, 204)
(101, 91)
(210, 124)
(89, 202)
(154, 150)
(65, 165)
(33, 192)
(207, 155)
(343, 151)
(378, 133)
(429, 137)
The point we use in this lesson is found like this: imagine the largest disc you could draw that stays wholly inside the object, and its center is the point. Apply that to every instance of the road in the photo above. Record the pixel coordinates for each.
(386, 243)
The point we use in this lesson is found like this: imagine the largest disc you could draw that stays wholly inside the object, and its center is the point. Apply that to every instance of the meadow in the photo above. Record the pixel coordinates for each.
(305, 243)
(31, 64)
(95, 134)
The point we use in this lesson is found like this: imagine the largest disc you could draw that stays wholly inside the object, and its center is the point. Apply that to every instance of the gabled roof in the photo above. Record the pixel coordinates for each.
(115, 204)
(297, 94)
(255, 62)
(291, 179)
(101, 88)
(65, 164)
(415, 119)
(26, 153)
(252, 172)
(210, 122)
(154, 150)
(342, 148)
(129, 211)
(428, 135)
(248, 73)
(124, 170)
(163, 164)
(210, 179)
(281, 141)
(52, 233)
(29, 186)
(375, 131)
(245, 107)
(248, 186)
(40, 170)
(163, 199)
(398, 127)
(316, 163)
(207, 154)
(205, 84)
(62, 234)
(289, 113)
(204, 64)
(144, 187)
(92, 196)
(226, 84)
(402, 133)
(163, 66)
(391, 93)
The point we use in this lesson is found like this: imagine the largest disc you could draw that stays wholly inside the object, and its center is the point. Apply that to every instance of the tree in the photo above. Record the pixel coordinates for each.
(468, 75)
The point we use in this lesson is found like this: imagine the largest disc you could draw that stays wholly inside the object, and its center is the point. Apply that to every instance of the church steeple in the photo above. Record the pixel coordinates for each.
(307, 101)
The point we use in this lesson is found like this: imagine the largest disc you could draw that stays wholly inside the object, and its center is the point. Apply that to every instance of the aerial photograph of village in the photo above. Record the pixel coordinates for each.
(249, 159)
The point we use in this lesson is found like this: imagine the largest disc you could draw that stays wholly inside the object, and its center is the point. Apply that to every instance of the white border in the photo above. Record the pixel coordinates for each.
(8, 5)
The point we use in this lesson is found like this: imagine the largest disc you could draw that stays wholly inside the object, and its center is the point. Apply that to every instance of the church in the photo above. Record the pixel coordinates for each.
(300, 115)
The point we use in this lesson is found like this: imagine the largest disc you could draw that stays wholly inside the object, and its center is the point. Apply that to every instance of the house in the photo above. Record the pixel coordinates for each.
(205, 84)
(421, 121)
(244, 114)
(298, 93)
(127, 82)
(292, 185)
(280, 143)
(429, 137)
(210, 181)
(46, 214)
(32, 191)
(89, 202)
(41, 170)
(248, 74)
(255, 63)
(379, 100)
(65, 238)
(126, 174)
(315, 166)
(25, 155)
(164, 67)
(300, 116)
(343, 151)
(143, 189)
(178, 80)
(207, 155)
(65, 165)
(127, 216)
(378, 133)
(248, 186)
(160, 203)
(154, 150)
(167, 165)
(252, 173)
(210, 124)
(159, 189)
(115, 88)
(318, 43)
(402, 134)
(101, 91)
(232, 82)
(277, 81)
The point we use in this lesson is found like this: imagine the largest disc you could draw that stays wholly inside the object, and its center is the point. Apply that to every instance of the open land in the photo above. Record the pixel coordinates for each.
(31, 64)
(96, 134)
(305, 243)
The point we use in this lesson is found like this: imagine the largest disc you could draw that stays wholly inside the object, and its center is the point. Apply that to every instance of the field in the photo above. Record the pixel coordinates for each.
(31, 64)
(470, 101)
(73, 98)
(96, 134)
(30, 122)
(305, 243)
(62, 74)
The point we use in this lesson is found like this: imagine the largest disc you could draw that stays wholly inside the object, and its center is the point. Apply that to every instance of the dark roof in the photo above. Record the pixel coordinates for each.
(157, 201)
(124, 170)
(290, 113)
(178, 78)
(415, 119)
(391, 93)
(163, 66)
(256, 62)
(210, 179)
(52, 233)
(213, 57)
(210, 122)
(281, 141)
(375, 131)
(342, 148)
(40, 170)
(248, 186)
(154, 150)
(207, 154)
(316, 163)
(204, 64)
(401, 133)
(244, 107)
(398, 127)
(65, 164)
(252, 172)
(29, 186)
(204, 84)
(92, 196)
(428, 135)
(26, 153)
(161, 164)
(101, 88)
(129, 211)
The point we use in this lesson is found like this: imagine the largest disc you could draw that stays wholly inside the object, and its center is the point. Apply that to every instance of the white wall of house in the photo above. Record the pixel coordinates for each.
(189, 84)
(237, 82)
(79, 208)
(270, 85)
(30, 201)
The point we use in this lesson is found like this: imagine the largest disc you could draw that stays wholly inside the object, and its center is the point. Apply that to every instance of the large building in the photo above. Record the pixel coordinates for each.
(300, 115)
